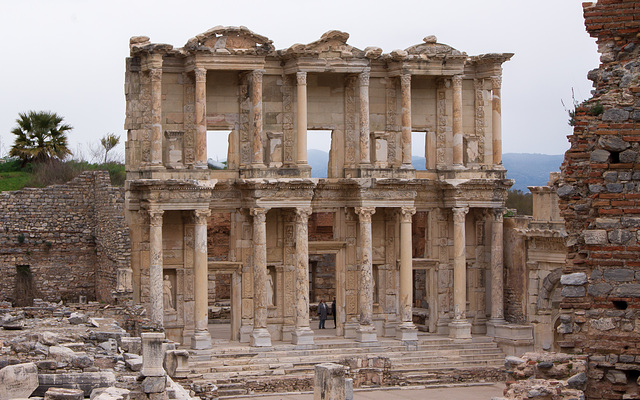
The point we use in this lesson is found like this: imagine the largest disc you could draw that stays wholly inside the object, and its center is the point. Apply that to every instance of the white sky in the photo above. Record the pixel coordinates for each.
(68, 56)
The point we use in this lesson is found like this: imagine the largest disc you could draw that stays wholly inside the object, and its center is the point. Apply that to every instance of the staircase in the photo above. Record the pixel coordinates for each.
(239, 369)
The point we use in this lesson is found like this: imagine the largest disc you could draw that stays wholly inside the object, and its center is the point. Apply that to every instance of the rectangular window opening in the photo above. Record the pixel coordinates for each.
(418, 150)
(217, 148)
(318, 149)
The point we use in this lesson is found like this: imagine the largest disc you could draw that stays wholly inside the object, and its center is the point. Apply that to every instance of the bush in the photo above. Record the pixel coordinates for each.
(523, 202)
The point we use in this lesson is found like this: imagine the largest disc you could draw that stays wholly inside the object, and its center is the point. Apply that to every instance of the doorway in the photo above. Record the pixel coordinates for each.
(224, 300)
(25, 288)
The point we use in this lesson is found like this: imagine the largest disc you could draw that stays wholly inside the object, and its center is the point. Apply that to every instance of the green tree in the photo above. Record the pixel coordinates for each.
(109, 142)
(40, 137)
(523, 202)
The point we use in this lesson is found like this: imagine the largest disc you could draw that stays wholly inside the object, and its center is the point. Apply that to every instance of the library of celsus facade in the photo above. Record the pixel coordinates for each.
(388, 235)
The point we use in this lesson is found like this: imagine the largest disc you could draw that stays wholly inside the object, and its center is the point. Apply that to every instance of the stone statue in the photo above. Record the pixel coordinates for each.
(269, 290)
(167, 293)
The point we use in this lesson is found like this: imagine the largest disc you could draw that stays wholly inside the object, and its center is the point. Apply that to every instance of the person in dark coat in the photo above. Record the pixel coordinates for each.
(333, 311)
(323, 310)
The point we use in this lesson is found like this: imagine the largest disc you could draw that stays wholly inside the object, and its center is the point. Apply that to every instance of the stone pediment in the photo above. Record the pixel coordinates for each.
(431, 47)
(230, 40)
(332, 44)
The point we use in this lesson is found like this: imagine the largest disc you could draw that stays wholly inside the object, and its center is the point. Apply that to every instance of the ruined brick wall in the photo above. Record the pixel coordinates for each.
(599, 200)
(73, 238)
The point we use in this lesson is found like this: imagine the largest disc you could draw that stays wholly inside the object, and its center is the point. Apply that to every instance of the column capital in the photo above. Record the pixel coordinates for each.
(259, 214)
(257, 74)
(155, 217)
(201, 216)
(459, 214)
(406, 213)
(363, 78)
(405, 79)
(498, 214)
(496, 82)
(457, 80)
(303, 213)
(200, 74)
(365, 213)
(155, 74)
(301, 77)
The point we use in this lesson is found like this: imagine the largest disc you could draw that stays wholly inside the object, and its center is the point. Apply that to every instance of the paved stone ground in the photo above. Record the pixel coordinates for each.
(475, 392)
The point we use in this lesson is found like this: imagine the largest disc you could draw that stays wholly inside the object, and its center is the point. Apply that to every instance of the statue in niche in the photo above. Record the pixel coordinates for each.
(269, 289)
(167, 294)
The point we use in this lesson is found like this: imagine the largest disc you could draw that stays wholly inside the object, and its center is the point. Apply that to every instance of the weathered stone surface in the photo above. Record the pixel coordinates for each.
(154, 384)
(599, 289)
(87, 381)
(133, 362)
(565, 191)
(329, 382)
(111, 393)
(616, 377)
(573, 291)
(56, 393)
(603, 324)
(18, 381)
(628, 156)
(600, 156)
(77, 318)
(578, 381)
(626, 290)
(619, 274)
(575, 279)
(596, 236)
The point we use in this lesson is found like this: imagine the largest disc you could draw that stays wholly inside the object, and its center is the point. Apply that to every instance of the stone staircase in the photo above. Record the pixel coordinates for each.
(239, 369)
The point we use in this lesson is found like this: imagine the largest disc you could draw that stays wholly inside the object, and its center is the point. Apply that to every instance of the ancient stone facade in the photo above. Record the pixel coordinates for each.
(599, 195)
(63, 241)
(361, 216)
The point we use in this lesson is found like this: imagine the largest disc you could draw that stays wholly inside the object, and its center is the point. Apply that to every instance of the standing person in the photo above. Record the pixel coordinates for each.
(322, 312)
(333, 311)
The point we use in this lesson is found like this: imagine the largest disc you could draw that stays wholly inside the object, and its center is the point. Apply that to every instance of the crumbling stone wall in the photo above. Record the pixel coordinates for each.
(73, 237)
(599, 198)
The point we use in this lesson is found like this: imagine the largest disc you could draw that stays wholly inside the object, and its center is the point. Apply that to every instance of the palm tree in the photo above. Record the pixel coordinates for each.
(40, 137)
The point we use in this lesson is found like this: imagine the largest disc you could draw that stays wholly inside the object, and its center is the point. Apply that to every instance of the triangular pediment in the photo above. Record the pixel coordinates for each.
(332, 44)
(431, 47)
(230, 39)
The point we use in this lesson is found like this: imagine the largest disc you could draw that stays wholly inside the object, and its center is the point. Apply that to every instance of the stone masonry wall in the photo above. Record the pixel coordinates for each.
(600, 202)
(73, 237)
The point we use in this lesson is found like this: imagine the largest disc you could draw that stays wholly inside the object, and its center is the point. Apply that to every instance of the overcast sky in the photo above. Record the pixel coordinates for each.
(68, 56)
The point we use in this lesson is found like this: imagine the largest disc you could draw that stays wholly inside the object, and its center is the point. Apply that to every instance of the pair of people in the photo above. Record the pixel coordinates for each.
(323, 311)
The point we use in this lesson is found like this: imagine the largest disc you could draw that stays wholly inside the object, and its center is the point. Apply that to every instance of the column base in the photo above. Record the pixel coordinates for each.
(201, 340)
(366, 334)
(460, 329)
(407, 332)
(260, 337)
(491, 325)
(302, 336)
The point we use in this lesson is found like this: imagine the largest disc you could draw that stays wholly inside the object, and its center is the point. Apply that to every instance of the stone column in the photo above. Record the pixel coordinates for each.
(497, 285)
(407, 331)
(496, 119)
(459, 328)
(260, 336)
(257, 161)
(329, 382)
(155, 269)
(365, 152)
(201, 117)
(405, 89)
(156, 117)
(201, 337)
(303, 335)
(366, 331)
(301, 121)
(457, 121)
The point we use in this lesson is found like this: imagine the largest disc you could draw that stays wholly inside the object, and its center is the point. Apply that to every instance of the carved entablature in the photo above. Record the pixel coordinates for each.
(332, 44)
(170, 192)
(487, 65)
(427, 58)
(276, 194)
(230, 40)
(480, 193)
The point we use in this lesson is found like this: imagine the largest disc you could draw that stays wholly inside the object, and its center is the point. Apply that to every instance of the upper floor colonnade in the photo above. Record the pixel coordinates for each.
(232, 79)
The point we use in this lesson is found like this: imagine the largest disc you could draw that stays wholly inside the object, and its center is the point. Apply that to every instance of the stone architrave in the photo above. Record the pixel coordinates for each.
(155, 76)
(301, 122)
(257, 160)
(457, 122)
(366, 331)
(201, 117)
(18, 381)
(496, 119)
(459, 328)
(201, 337)
(303, 335)
(407, 330)
(365, 150)
(260, 336)
(155, 270)
(405, 90)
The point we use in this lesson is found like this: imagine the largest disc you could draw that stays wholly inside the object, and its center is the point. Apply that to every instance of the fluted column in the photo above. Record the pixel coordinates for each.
(405, 89)
(201, 117)
(156, 117)
(459, 328)
(457, 121)
(303, 335)
(301, 122)
(256, 104)
(407, 330)
(366, 331)
(260, 336)
(496, 119)
(155, 267)
(497, 285)
(365, 152)
(201, 337)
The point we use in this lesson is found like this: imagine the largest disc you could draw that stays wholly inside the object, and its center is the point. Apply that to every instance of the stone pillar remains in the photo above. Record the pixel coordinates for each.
(329, 382)
(155, 74)
(303, 335)
(366, 331)
(459, 328)
(152, 358)
(201, 117)
(407, 330)
(201, 337)
(301, 122)
(363, 82)
(405, 89)
(155, 270)
(257, 160)
(496, 119)
(497, 285)
(457, 121)
(260, 336)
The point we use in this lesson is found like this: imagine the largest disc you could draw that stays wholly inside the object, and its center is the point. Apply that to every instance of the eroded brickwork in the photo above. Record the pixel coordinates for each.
(599, 200)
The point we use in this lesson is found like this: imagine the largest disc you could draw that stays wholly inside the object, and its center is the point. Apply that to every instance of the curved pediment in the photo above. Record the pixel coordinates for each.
(332, 44)
(431, 47)
(230, 40)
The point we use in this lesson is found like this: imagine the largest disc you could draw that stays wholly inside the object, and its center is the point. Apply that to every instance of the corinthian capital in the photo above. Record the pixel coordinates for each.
(200, 216)
(496, 82)
(457, 80)
(363, 78)
(303, 214)
(155, 217)
(301, 78)
(365, 213)
(257, 75)
(405, 80)
(459, 214)
(201, 74)
(498, 214)
(155, 74)
(259, 214)
(406, 213)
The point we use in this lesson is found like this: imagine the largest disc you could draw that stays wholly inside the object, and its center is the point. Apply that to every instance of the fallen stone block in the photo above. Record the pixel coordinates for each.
(133, 363)
(111, 393)
(176, 363)
(87, 381)
(77, 318)
(18, 381)
(63, 394)
(131, 345)
(154, 384)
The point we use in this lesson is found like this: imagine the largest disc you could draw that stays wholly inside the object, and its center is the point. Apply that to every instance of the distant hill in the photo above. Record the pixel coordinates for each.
(525, 168)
